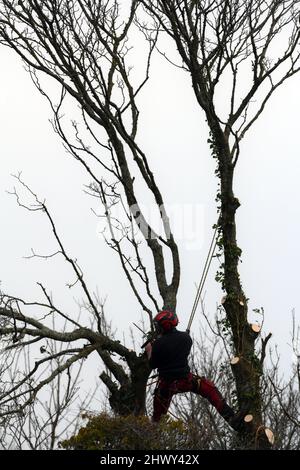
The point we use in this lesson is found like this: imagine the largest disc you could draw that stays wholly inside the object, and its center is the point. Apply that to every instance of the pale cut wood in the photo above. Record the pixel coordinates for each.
(223, 299)
(248, 418)
(255, 327)
(234, 360)
(270, 435)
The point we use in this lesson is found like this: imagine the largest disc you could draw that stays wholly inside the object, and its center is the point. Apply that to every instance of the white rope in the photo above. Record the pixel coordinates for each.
(203, 277)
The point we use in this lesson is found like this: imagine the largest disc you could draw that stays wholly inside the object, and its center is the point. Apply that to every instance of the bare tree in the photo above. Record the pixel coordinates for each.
(83, 46)
(48, 418)
(249, 47)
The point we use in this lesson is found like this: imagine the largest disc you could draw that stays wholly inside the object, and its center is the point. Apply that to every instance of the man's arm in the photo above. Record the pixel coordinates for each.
(148, 349)
(151, 351)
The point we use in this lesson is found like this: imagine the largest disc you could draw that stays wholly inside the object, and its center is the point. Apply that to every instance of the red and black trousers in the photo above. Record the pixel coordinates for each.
(165, 390)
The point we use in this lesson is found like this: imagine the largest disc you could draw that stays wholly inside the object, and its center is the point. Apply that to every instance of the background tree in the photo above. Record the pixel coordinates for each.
(83, 46)
(56, 413)
(248, 48)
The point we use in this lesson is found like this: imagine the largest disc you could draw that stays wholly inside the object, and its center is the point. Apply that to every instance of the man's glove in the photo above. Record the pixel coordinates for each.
(151, 336)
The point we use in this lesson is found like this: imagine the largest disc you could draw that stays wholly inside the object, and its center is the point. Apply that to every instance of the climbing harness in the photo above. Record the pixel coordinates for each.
(208, 261)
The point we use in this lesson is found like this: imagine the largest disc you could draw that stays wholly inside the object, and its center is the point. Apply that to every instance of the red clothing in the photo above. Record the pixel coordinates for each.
(170, 356)
(191, 383)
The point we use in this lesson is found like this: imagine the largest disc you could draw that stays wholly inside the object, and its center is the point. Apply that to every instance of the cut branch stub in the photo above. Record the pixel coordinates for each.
(255, 328)
(264, 435)
(234, 360)
(224, 298)
(261, 430)
(248, 418)
(270, 435)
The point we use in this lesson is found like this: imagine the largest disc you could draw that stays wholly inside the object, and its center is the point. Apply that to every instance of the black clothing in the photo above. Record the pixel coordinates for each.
(170, 355)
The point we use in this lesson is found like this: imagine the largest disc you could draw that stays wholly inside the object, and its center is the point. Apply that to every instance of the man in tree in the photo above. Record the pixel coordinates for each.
(85, 48)
(169, 354)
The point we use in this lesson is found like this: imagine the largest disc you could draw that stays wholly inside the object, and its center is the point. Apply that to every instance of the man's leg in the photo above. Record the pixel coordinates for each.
(208, 390)
(162, 399)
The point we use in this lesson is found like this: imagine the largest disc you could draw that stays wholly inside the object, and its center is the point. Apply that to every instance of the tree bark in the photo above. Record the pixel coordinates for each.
(129, 397)
(248, 369)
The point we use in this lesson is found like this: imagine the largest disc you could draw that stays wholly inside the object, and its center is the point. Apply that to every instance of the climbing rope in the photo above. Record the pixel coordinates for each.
(208, 261)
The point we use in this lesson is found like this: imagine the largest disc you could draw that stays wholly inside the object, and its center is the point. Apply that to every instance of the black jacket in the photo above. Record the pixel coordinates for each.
(170, 355)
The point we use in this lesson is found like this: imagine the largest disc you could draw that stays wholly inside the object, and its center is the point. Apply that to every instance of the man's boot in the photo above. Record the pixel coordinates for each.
(235, 420)
(208, 390)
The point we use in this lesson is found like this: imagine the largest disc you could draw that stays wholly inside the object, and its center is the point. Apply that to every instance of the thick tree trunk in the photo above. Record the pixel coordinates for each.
(248, 368)
(128, 396)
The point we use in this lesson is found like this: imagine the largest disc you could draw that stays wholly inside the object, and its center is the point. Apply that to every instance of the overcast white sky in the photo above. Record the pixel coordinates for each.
(174, 134)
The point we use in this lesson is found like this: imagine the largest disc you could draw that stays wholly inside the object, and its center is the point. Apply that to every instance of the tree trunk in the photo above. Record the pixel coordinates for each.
(248, 368)
(129, 395)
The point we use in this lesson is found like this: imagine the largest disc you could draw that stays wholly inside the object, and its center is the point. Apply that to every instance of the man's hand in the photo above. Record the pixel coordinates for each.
(148, 349)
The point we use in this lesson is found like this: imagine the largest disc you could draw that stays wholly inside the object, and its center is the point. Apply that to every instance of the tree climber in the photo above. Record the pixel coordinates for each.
(169, 354)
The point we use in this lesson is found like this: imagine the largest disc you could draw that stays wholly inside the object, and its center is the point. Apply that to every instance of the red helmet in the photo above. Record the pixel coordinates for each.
(166, 319)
